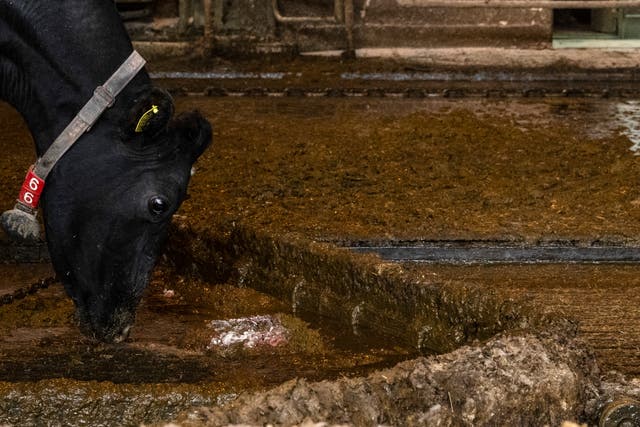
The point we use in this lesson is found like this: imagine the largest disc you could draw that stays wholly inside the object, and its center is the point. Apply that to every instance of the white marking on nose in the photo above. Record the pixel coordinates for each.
(123, 336)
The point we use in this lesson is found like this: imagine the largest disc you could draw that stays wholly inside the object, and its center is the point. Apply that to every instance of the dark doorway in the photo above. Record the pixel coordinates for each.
(585, 27)
(572, 20)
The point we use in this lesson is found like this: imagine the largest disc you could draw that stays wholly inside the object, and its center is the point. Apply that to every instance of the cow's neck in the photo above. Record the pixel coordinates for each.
(52, 57)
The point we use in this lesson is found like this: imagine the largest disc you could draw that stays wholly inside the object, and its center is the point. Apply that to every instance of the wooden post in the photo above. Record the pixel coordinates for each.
(184, 12)
(218, 11)
(349, 22)
(208, 28)
(338, 10)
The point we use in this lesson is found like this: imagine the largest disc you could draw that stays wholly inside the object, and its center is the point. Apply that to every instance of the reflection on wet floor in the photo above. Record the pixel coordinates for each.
(171, 341)
(628, 117)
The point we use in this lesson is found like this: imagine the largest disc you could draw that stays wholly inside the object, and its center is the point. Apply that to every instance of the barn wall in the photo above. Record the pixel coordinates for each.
(377, 23)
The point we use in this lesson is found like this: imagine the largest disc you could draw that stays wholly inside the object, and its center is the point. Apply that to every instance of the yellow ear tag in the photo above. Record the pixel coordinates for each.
(142, 123)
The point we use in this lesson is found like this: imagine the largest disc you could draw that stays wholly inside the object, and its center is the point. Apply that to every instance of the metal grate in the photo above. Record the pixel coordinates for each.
(479, 252)
(134, 9)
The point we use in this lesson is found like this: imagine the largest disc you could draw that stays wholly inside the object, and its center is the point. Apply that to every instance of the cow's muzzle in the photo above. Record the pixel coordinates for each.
(113, 330)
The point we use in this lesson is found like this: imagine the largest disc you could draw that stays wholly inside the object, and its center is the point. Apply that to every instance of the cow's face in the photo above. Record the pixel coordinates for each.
(107, 207)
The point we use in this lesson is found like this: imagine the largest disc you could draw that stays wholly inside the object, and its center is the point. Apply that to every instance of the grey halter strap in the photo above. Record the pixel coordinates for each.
(103, 98)
(20, 222)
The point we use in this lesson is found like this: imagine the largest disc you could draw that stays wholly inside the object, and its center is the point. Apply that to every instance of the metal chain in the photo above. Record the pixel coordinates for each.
(25, 291)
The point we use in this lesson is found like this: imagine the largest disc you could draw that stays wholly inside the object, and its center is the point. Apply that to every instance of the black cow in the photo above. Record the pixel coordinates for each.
(108, 201)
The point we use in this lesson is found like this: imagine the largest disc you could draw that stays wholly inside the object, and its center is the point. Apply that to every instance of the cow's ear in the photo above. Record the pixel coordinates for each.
(149, 115)
(194, 133)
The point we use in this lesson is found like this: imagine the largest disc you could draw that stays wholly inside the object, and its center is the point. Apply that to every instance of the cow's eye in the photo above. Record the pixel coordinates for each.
(158, 205)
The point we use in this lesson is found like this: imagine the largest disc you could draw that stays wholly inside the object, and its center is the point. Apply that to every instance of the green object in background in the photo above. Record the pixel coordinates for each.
(629, 23)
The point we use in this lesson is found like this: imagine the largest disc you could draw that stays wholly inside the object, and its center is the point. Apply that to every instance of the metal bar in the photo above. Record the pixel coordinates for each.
(184, 15)
(543, 4)
(348, 23)
(300, 19)
(343, 14)
(208, 26)
(504, 254)
(218, 13)
(338, 10)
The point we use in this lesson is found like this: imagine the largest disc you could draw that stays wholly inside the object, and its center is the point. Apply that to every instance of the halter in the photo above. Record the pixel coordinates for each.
(20, 222)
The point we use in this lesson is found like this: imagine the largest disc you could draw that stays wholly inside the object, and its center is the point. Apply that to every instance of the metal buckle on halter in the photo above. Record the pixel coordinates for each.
(106, 96)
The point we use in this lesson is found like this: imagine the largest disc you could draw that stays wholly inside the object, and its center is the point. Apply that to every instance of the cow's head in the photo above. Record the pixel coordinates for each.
(109, 201)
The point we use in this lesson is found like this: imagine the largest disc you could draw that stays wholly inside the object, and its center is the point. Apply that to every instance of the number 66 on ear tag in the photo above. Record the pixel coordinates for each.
(31, 189)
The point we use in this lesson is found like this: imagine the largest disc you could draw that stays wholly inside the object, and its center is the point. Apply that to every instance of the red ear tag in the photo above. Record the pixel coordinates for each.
(31, 189)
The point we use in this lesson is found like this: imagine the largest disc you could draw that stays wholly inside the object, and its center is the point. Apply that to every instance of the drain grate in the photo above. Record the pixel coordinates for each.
(402, 85)
(470, 252)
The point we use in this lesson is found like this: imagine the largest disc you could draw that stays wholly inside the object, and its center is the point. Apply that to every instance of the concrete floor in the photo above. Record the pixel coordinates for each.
(606, 57)
(370, 166)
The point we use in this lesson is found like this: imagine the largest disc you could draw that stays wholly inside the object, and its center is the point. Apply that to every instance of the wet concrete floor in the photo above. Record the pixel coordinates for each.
(16, 277)
(174, 342)
(368, 169)
(602, 299)
(427, 169)
(380, 169)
